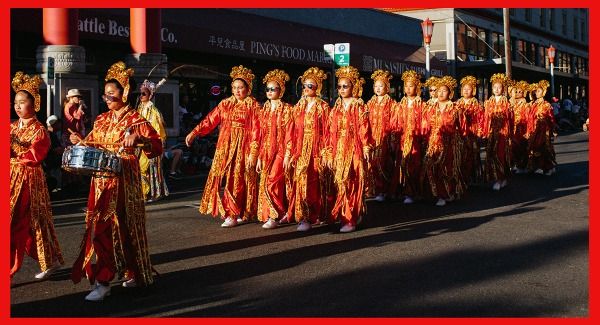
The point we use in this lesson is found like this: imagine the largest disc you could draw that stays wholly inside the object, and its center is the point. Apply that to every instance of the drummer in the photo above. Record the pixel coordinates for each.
(115, 219)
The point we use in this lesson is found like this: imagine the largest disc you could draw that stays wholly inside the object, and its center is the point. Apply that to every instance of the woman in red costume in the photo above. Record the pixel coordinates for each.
(236, 153)
(542, 158)
(305, 147)
(521, 110)
(348, 149)
(380, 108)
(407, 126)
(116, 218)
(470, 113)
(31, 224)
(497, 130)
(442, 162)
(274, 120)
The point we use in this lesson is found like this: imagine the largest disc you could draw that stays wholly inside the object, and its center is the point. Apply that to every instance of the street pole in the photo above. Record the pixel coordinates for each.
(507, 49)
(552, 78)
(333, 83)
(427, 67)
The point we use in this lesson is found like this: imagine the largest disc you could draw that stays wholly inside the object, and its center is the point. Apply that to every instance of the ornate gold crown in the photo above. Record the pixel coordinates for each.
(499, 77)
(447, 81)
(241, 72)
(352, 74)
(382, 75)
(121, 74)
(544, 84)
(470, 80)
(431, 81)
(317, 75)
(412, 75)
(280, 77)
(30, 84)
(523, 85)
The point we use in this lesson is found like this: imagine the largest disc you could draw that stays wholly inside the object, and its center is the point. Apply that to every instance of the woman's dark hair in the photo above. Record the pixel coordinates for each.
(28, 95)
(242, 80)
(121, 89)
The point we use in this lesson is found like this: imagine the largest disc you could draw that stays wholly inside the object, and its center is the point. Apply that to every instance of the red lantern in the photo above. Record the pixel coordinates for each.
(551, 53)
(427, 26)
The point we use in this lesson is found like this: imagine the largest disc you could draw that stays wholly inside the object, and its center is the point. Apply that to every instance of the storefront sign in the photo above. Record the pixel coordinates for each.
(371, 63)
(111, 27)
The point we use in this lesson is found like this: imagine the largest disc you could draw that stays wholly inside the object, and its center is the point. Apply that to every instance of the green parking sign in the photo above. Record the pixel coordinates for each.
(342, 54)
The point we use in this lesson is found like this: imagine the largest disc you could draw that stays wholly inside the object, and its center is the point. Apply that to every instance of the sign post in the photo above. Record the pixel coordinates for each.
(330, 52)
(49, 78)
(342, 54)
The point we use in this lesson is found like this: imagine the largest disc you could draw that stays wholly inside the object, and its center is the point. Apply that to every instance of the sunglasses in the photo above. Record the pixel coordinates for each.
(109, 98)
(145, 94)
(343, 86)
(309, 86)
(272, 89)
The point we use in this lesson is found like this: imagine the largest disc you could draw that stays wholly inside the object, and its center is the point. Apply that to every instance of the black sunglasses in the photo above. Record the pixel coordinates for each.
(109, 98)
(309, 86)
(343, 86)
(272, 89)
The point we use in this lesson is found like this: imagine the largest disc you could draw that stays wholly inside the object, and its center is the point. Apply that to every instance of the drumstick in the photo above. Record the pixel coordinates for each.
(111, 144)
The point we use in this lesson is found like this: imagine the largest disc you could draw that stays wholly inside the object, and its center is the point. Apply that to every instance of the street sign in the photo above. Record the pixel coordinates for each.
(329, 50)
(342, 54)
(50, 69)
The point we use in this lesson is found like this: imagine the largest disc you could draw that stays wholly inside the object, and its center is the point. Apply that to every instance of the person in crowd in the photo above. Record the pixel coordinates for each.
(52, 163)
(497, 129)
(540, 126)
(31, 222)
(236, 153)
(115, 221)
(274, 121)
(521, 110)
(154, 184)
(74, 112)
(470, 113)
(348, 150)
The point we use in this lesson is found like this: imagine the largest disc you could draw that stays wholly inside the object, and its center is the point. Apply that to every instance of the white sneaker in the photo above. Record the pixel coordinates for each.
(284, 219)
(539, 171)
(408, 200)
(240, 220)
(98, 293)
(550, 172)
(347, 228)
(380, 198)
(496, 186)
(303, 226)
(441, 203)
(130, 283)
(271, 224)
(45, 274)
(229, 222)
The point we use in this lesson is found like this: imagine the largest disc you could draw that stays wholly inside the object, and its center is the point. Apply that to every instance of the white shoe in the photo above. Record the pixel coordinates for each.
(496, 186)
(408, 200)
(550, 172)
(380, 198)
(98, 293)
(271, 224)
(303, 226)
(284, 219)
(240, 220)
(45, 274)
(441, 203)
(229, 222)
(130, 283)
(347, 228)
(539, 171)
(503, 183)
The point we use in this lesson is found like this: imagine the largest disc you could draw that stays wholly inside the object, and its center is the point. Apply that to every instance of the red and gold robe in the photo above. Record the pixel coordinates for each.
(442, 163)
(380, 114)
(116, 218)
(272, 200)
(305, 145)
(349, 137)
(540, 127)
(31, 223)
(238, 139)
(407, 121)
(470, 114)
(521, 111)
(497, 126)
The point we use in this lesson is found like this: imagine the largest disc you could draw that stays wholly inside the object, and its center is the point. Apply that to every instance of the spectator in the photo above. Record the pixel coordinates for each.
(555, 108)
(52, 163)
(174, 155)
(73, 114)
(567, 106)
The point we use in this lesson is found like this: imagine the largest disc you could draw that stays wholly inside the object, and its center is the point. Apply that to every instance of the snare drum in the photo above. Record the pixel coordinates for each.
(84, 160)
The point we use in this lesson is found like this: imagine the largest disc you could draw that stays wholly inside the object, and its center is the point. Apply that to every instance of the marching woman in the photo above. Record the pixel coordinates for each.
(154, 184)
(304, 149)
(380, 108)
(542, 158)
(470, 113)
(274, 120)
(521, 110)
(407, 125)
(115, 220)
(236, 153)
(348, 150)
(442, 162)
(497, 130)
(31, 223)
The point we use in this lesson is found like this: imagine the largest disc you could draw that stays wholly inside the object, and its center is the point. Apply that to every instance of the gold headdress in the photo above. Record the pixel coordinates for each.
(499, 78)
(241, 72)
(30, 84)
(317, 75)
(351, 73)
(431, 81)
(412, 75)
(470, 80)
(523, 85)
(280, 77)
(542, 84)
(382, 75)
(449, 82)
(121, 74)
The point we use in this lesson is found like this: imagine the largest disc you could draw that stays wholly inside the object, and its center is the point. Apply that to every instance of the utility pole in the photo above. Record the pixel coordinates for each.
(507, 51)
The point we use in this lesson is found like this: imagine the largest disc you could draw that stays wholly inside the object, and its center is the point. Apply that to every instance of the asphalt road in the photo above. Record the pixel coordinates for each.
(519, 252)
